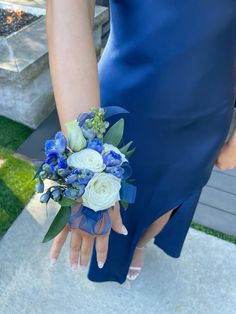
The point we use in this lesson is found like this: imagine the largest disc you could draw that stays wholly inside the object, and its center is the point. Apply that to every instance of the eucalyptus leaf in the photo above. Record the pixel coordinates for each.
(125, 148)
(114, 134)
(130, 152)
(58, 223)
(113, 110)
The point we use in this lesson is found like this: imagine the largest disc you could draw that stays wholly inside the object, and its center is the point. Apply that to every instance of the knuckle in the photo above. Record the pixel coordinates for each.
(85, 251)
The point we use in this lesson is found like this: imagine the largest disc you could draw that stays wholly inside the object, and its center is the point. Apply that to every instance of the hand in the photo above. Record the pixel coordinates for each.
(226, 158)
(81, 242)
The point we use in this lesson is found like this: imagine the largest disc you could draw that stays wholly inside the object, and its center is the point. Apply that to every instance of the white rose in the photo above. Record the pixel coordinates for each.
(87, 158)
(76, 140)
(109, 147)
(102, 191)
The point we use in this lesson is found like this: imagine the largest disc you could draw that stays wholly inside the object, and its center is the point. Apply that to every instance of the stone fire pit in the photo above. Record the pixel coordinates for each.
(26, 93)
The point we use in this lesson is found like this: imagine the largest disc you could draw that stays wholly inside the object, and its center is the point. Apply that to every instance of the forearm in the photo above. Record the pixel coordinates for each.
(72, 57)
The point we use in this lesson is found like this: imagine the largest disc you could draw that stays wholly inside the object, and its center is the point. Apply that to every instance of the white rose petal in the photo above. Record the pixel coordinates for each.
(109, 147)
(87, 158)
(102, 191)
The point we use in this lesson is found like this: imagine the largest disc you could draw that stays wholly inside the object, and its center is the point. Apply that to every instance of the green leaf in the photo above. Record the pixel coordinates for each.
(125, 148)
(124, 204)
(65, 201)
(58, 223)
(115, 133)
(130, 152)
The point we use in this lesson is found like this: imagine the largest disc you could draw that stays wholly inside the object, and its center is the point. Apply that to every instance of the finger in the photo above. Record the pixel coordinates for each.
(75, 245)
(86, 248)
(117, 223)
(58, 243)
(102, 249)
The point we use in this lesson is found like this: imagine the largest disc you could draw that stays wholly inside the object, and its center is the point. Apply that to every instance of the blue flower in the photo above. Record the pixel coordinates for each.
(40, 186)
(83, 116)
(51, 159)
(88, 133)
(95, 144)
(62, 172)
(74, 193)
(62, 162)
(84, 176)
(111, 158)
(45, 197)
(56, 194)
(61, 142)
(71, 178)
(56, 146)
(116, 171)
(48, 168)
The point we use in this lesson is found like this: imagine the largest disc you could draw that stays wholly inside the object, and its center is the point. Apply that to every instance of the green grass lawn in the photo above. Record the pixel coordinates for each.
(213, 232)
(16, 185)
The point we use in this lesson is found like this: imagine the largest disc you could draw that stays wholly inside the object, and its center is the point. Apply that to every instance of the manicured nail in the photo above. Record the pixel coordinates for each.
(100, 264)
(53, 261)
(124, 230)
(74, 266)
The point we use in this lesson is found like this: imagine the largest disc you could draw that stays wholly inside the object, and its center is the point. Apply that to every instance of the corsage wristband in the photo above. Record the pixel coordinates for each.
(91, 164)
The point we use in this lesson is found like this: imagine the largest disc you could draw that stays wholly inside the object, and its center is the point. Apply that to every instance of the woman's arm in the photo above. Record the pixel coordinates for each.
(72, 57)
(74, 72)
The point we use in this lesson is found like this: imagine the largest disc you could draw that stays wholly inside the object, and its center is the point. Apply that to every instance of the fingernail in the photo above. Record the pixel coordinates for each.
(53, 261)
(100, 264)
(74, 266)
(124, 230)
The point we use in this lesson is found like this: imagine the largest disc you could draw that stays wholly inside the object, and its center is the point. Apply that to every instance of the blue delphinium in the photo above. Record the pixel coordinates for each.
(74, 193)
(56, 163)
(56, 194)
(95, 144)
(44, 198)
(56, 146)
(117, 171)
(111, 158)
(79, 176)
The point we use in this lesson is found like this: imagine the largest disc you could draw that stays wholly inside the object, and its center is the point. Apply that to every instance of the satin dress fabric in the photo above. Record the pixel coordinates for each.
(171, 64)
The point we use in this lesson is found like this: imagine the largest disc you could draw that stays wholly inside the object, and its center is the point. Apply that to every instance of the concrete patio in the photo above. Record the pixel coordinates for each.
(202, 280)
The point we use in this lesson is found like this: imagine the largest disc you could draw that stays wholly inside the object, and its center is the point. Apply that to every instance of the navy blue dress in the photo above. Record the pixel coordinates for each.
(171, 64)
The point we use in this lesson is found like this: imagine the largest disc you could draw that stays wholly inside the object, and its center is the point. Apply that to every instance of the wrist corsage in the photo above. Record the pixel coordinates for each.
(91, 170)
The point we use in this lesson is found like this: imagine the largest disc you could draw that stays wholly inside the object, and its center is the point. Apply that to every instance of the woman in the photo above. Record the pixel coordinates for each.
(171, 64)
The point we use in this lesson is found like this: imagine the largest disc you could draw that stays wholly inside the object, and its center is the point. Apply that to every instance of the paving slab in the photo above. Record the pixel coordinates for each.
(202, 280)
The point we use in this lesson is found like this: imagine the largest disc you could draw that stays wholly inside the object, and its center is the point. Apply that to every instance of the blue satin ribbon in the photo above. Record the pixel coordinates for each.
(90, 221)
(128, 192)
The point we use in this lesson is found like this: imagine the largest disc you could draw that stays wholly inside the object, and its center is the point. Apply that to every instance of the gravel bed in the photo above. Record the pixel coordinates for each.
(13, 20)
